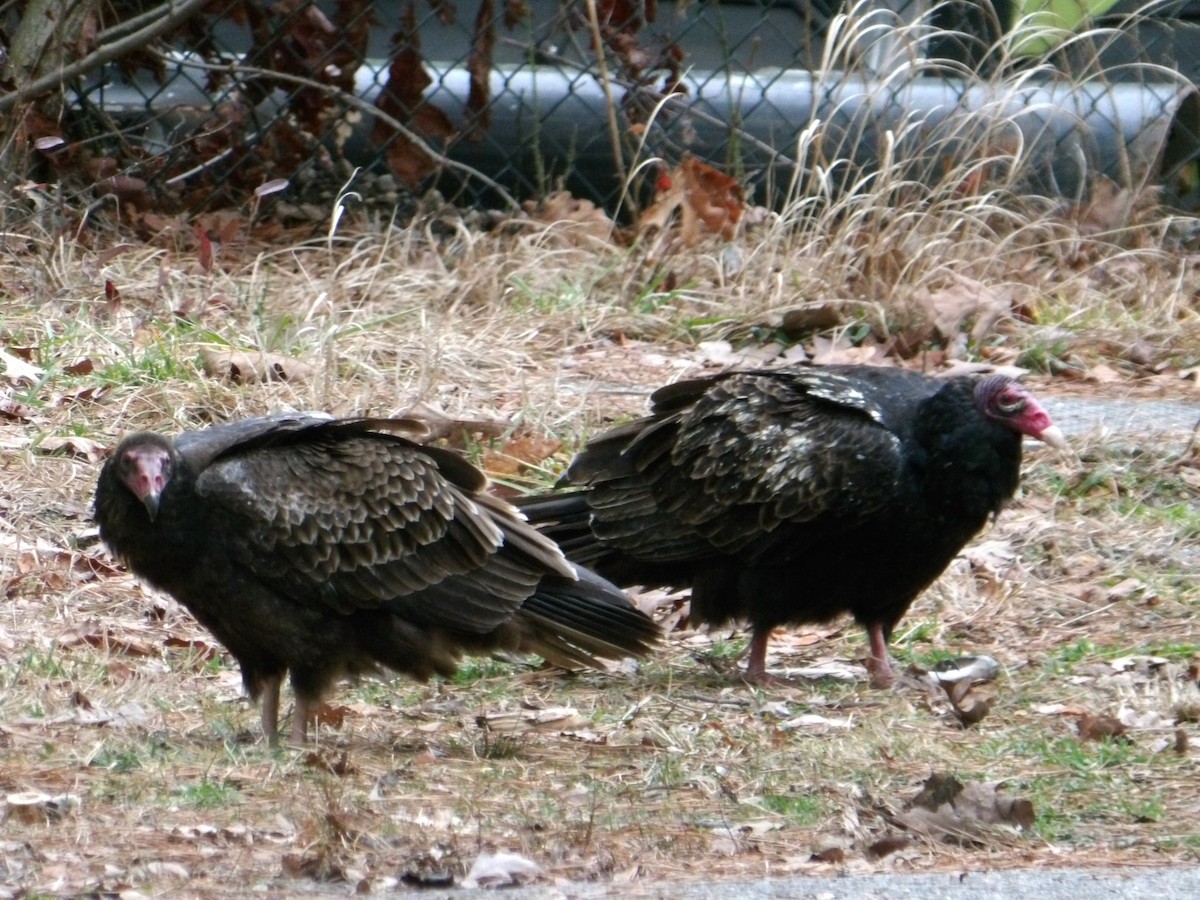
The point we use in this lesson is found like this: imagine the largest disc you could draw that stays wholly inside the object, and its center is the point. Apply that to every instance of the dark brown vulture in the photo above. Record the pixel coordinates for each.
(326, 548)
(792, 495)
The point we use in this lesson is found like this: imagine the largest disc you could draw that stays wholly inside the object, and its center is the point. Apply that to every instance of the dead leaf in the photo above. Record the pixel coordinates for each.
(519, 451)
(93, 634)
(339, 765)
(1102, 374)
(947, 809)
(554, 718)
(973, 709)
(712, 198)
(492, 870)
(36, 808)
(829, 855)
(15, 410)
(1125, 589)
(403, 98)
(1109, 208)
(885, 847)
(248, 367)
(318, 865)
(1099, 728)
(579, 221)
(79, 447)
(128, 715)
(964, 301)
(812, 721)
(19, 372)
(814, 317)
(454, 431)
(329, 716)
(479, 68)
(707, 200)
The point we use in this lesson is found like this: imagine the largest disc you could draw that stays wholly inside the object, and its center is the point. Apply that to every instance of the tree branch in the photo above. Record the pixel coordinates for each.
(178, 13)
(364, 106)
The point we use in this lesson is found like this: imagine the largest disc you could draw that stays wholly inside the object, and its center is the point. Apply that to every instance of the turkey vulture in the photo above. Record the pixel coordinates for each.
(795, 494)
(326, 547)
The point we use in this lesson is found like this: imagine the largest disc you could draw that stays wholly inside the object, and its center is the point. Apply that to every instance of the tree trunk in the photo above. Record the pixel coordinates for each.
(49, 36)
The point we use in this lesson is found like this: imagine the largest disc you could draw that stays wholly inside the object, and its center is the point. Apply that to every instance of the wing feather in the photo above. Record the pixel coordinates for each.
(356, 520)
(724, 462)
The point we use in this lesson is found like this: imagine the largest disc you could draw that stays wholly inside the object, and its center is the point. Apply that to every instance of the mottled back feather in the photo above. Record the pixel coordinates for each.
(330, 547)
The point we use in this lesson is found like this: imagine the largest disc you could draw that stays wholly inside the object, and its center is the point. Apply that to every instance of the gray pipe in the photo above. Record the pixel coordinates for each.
(1066, 133)
(548, 125)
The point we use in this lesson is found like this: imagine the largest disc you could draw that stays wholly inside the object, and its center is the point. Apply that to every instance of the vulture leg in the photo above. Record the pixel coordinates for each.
(879, 664)
(300, 716)
(756, 666)
(270, 709)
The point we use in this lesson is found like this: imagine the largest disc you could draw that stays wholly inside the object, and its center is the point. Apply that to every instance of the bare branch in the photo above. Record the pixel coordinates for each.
(176, 14)
(364, 106)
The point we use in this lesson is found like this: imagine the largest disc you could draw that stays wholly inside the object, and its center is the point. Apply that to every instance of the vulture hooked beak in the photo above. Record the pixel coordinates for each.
(150, 501)
(145, 470)
(1053, 437)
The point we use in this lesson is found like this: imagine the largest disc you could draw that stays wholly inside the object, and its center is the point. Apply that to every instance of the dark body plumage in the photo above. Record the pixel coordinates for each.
(793, 495)
(326, 548)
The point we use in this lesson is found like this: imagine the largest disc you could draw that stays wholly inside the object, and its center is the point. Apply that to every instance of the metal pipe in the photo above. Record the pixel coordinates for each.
(778, 127)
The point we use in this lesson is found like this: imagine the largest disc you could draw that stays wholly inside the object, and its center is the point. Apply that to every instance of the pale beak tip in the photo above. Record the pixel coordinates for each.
(1054, 437)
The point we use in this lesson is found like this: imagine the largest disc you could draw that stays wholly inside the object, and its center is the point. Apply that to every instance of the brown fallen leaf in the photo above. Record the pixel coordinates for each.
(973, 710)
(885, 847)
(706, 199)
(318, 865)
(248, 367)
(329, 716)
(205, 651)
(454, 431)
(339, 765)
(576, 221)
(829, 855)
(554, 718)
(961, 303)
(1099, 728)
(948, 809)
(92, 634)
(76, 446)
(15, 410)
(518, 452)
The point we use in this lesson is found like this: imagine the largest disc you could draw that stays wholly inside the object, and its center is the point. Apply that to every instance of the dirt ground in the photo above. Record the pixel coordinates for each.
(131, 766)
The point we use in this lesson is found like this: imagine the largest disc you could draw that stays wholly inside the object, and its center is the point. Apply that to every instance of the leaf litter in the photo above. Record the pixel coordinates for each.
(114, 696)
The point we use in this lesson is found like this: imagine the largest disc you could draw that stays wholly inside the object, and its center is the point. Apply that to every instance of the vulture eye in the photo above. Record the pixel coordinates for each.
(1010, 402)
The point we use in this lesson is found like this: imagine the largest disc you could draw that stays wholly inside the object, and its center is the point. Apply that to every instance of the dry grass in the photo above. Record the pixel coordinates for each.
(116, 700)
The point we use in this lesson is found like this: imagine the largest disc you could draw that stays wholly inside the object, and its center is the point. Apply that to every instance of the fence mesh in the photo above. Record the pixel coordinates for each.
(511, 99)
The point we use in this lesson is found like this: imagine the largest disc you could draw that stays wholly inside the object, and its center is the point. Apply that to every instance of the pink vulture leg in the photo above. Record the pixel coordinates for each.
(270, 710)
(879, 664)
(756, 666)
(300, 716)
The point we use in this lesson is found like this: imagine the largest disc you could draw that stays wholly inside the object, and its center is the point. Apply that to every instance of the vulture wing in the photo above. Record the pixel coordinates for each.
(722, 463)
(341, 515)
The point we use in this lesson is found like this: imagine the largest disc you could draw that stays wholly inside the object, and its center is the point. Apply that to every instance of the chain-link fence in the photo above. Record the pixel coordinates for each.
(509, 99)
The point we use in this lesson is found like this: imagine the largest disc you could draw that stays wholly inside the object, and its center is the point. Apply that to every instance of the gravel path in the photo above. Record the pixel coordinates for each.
(1076, 884)
(1148, 417)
